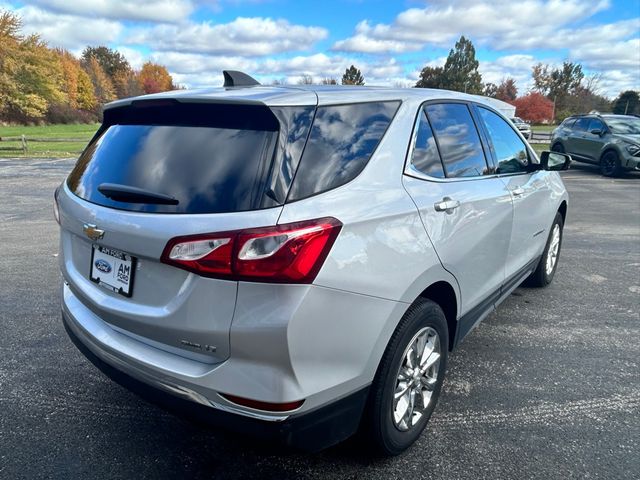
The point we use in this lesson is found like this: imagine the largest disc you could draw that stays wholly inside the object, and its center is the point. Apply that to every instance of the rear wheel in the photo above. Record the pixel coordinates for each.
(610, 164)
(546, 269)
(409, 379)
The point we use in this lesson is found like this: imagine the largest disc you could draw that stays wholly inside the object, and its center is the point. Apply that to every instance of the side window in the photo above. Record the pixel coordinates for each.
(510, 150)
(458, 140)
(341, 141)
(425, 156)
(596, 124)
(581, 124)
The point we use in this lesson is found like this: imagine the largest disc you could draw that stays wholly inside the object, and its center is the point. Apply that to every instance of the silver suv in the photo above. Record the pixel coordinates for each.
(298, 262)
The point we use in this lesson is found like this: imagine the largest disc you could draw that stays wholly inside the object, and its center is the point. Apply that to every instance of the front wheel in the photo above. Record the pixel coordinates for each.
(610, 164)
(409, 378)
(546, 269)
(557, 147)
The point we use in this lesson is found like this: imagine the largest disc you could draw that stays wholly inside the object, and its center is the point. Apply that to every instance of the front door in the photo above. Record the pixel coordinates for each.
(530, 191)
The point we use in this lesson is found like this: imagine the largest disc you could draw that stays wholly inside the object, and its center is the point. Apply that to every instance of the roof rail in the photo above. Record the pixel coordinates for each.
(233, 78)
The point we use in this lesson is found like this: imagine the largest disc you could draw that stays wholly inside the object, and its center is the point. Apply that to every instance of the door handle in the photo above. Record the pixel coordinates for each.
(518, 191)
(446, 205)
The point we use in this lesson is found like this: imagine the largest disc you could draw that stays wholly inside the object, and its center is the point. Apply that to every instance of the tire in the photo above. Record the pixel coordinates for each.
(424, 320)
(543, 275)
(610, 164)
(557, 147)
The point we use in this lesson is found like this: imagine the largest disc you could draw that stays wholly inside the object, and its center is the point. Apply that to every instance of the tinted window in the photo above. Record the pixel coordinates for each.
(568, 123)
(510, 150)
(212, 159)
(596, 124)
(341, 141)
(458, 140)
(582, 123)
(425, 157)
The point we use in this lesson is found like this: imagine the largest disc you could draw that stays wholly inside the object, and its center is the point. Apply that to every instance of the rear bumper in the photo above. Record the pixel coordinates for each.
(312, 430)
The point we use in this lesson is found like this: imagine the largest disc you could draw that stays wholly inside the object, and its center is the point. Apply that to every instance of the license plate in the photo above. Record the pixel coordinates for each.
(113, 269)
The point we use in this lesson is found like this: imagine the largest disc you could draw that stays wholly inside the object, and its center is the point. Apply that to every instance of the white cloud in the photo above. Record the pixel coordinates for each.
(68, 31)
(146, 10)
(244, 36)
(495, 23)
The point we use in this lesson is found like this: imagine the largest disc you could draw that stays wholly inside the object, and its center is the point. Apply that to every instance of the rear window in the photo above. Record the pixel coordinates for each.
(341, 141)
(210, 158)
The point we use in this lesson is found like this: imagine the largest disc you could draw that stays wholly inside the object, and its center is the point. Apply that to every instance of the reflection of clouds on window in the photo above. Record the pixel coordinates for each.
(458, 139)
(425, 157)
(510, 150)
(341, 141)
(208, 170)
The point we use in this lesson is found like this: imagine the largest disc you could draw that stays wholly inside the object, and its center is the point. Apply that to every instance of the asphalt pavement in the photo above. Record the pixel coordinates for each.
(546, 387)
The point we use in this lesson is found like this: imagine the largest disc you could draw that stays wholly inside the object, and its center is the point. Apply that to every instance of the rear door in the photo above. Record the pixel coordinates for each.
(465, 209)
(577, 138)
(214, 168)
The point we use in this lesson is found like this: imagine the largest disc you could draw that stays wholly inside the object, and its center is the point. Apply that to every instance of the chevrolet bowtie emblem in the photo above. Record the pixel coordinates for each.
(92, 231)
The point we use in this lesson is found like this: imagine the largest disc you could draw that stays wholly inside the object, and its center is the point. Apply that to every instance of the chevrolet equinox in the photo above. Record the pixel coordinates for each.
(297, 262)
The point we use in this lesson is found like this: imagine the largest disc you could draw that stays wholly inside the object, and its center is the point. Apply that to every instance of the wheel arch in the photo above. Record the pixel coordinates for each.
(562, 209)
(444, 294)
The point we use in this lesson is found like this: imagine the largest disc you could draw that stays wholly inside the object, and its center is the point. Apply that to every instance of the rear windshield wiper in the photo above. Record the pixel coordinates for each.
(126, 193)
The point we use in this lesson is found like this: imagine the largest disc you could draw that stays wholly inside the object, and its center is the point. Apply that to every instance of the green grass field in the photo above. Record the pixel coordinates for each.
(81, 134)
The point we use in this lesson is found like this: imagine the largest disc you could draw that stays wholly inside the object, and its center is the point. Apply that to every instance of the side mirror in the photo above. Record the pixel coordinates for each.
(555, 161)
(597, 131)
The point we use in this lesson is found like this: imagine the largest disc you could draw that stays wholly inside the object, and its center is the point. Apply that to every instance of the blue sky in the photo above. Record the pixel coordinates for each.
(390, 41)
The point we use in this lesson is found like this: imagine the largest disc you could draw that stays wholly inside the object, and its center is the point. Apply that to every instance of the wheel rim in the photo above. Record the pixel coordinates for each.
(608, 163)
(554, 248)
(416, 379)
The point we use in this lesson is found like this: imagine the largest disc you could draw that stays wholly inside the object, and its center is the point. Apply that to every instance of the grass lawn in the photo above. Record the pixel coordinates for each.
(540, 147)
(81, 134)
(543, 128)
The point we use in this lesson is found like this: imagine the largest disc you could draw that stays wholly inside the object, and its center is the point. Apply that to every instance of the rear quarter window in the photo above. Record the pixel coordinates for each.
(341, 142)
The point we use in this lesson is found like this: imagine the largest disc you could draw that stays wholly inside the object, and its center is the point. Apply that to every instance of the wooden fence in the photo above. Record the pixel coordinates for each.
(24, 142)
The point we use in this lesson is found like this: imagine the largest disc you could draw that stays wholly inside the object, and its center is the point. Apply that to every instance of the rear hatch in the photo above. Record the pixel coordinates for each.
(157, 170)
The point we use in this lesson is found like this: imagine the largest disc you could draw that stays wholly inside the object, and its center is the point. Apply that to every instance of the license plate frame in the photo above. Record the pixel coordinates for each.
(116, 265)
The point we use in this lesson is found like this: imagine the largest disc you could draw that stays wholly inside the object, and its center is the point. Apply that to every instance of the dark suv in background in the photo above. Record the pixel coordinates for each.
(610, 141)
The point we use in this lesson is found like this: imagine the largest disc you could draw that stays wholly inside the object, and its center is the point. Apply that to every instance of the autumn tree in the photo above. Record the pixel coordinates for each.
(117, 68)
(30, 77)
(155, 78)
(627, 103)
(103, 88)
(460, 71)
(534, 107)
(507, 90)
(352, 76)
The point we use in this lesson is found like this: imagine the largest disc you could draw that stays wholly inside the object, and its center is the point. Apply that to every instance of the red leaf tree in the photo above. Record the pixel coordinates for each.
(535, 108)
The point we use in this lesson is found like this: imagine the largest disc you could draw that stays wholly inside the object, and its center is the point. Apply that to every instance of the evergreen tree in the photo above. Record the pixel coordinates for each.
(460, 71)
(352, 76)
(627, 103)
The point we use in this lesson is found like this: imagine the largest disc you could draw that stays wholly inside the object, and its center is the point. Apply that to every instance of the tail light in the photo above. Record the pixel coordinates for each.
(290, 253)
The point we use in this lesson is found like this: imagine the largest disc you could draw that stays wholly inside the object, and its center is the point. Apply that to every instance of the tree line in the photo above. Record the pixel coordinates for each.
(43, 84)
(556, 92)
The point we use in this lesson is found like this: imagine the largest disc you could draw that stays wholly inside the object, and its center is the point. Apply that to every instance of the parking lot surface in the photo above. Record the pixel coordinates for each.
(546, 387)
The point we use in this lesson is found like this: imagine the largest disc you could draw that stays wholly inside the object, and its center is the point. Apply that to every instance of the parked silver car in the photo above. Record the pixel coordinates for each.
(522, 126)
(298, 262)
